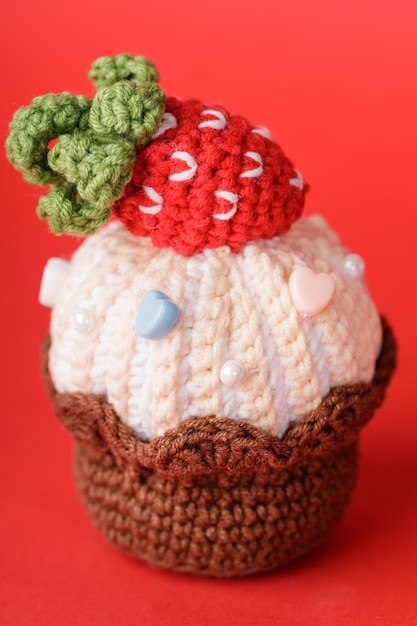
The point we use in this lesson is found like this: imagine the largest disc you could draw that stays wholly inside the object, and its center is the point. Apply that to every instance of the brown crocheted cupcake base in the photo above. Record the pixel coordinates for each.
(219, 497)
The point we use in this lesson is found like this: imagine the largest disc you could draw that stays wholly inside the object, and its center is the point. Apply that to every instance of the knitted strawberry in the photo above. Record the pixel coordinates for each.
(209, 179)
(204, 179)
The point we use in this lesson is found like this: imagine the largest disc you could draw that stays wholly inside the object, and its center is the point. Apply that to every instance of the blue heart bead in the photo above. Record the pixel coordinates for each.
(156, 316)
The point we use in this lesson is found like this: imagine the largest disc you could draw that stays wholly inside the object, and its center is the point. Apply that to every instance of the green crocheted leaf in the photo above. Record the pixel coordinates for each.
(99, 166)
(128, 109)
(33, 127)
(93, 159)
(106, 71)
(67, 213)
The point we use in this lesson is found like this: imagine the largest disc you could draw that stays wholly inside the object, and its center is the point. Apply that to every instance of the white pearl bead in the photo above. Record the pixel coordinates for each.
(83, 320)
(354, 265)
(231, 373)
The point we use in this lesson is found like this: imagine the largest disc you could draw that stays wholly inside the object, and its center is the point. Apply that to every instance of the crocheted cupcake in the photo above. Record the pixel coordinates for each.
(214, 354)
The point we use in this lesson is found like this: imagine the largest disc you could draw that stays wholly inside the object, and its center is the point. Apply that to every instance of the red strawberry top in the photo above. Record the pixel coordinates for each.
(209, 179)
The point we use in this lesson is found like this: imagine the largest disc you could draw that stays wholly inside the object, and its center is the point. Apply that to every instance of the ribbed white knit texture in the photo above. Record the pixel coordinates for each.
(232, 307)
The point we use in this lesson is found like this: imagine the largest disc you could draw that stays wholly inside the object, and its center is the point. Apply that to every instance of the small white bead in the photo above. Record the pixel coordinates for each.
(83, 320)
(231, 373)
(354, 265)
(53, 277)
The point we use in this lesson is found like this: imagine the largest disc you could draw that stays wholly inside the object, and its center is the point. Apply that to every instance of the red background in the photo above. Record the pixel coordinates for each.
(336, 84)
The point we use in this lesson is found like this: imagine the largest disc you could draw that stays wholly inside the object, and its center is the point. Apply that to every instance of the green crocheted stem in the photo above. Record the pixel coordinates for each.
(93, 158)
(99, 160)
(33, 127)
(109, 70)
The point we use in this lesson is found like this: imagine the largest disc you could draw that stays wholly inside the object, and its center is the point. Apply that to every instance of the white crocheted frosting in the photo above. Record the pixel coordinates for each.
(232, 307)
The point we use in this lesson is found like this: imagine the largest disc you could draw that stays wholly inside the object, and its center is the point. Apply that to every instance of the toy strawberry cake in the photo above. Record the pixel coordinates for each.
(214, 354)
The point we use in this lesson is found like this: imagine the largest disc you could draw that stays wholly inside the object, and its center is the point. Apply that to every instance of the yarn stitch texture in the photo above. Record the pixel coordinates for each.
(94, 154)
(175, 467)
(218, 497)
(187, 175)
(233, 306)
(106, 71)
(208, 179)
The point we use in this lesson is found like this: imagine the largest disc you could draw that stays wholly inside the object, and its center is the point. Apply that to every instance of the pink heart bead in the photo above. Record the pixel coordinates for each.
(310, 292)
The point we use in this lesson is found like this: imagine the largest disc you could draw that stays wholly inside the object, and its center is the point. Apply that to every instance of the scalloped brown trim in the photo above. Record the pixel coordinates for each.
(209, 446)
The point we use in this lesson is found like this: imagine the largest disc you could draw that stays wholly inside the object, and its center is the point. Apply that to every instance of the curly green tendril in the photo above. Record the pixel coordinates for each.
(93, 157)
